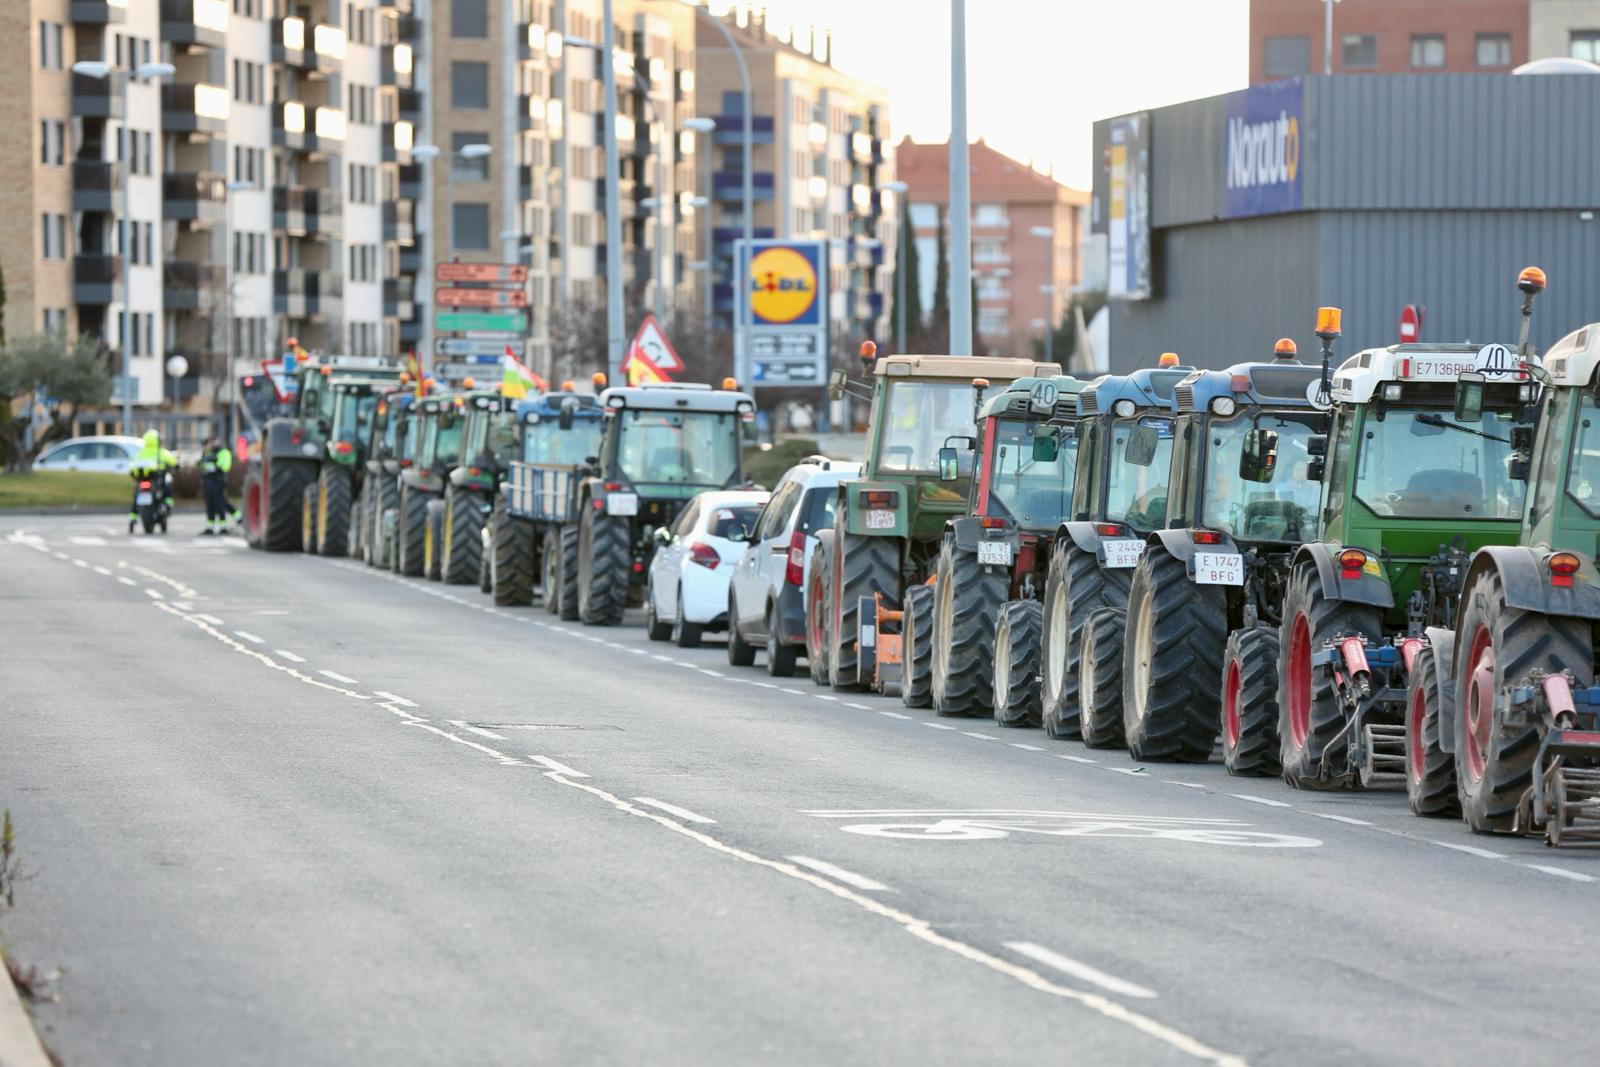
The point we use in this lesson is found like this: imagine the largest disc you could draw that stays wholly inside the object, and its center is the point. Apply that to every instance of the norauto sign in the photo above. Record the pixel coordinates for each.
(1262, 157)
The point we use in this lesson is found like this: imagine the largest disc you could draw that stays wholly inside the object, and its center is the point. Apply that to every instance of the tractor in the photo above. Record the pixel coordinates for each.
(1203, 602)
(328, 520)
(889, 524)
(1119, 498)
(1414, 481)
(488, 445)
(388, 452)
(437, 421)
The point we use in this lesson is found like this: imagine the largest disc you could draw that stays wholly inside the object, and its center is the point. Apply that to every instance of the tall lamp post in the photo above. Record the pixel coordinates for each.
(144, 72)
(706, 127)
(1048, 235)
(899, 189)
(960, 189)
(427, 153)
(227, 325)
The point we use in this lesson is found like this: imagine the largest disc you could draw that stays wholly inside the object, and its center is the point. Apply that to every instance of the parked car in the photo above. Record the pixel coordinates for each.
(110, 453)
(766, 599)
(686, 592)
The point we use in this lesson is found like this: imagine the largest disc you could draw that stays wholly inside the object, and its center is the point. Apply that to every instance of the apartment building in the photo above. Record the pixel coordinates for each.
(1023, 278)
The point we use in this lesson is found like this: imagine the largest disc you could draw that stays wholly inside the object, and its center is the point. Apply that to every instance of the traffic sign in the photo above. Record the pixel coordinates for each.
(457, 346)
(1410, 324)
(484, 273)
(454, 321)
(651, 345)
(498, 336)
(480, 298)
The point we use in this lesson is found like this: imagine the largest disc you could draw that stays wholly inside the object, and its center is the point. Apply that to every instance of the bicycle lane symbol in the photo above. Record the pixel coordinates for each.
(994, 825)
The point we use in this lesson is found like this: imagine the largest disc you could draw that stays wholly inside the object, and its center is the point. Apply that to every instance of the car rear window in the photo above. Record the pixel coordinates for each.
(725, 520)
(816, 511)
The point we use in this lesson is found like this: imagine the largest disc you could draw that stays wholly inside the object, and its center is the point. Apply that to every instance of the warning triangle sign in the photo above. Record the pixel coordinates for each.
(651, 357)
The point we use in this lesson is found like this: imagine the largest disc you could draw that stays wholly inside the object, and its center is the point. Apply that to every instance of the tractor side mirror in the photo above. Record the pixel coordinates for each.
(949, 466)
(1260, 456)
(1522, 439)
(1317, 444)
(1141, 448)
(836, 380)
(1469, 398)
(1045, 445)
(591, 461)
(1314, 468)
(1517, 468)
(567, 413)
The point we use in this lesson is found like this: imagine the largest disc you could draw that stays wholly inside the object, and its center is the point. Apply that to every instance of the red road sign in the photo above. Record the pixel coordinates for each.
(1410, 325)
(650, 344)
(484, 273)
(480, 298)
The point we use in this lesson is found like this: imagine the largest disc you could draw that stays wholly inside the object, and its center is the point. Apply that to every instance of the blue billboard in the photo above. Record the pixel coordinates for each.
(1261, 157)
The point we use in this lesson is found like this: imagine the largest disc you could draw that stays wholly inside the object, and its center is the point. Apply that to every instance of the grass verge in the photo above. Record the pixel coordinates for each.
(64, 489)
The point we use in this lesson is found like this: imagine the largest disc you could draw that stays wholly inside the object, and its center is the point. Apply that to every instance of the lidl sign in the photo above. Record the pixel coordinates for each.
(1262, 157)
(784, 311)
(783, 285)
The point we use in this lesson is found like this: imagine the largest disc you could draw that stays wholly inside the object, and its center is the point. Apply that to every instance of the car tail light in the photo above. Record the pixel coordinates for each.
(794, 571)
(1107, 529)
(144, 485)
(1207, 537)
(1351, 560)
(1563, 565)
(704, 554)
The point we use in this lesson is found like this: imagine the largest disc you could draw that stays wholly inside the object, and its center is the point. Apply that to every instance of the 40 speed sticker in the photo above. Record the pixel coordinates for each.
(992, 825)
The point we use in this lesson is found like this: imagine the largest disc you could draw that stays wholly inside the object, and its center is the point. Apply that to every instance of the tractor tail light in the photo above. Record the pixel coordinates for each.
(1207, 537)
(1563, 565)
(1351, 560)
(1107, 529)
(144, 485)
(991, 522)
(296, 436)
(615, 487)
(794, 570)
(880, 499)
(343, 448)
(705, 555)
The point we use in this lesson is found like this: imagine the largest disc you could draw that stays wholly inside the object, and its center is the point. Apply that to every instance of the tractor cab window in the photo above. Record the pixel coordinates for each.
(917, 417)
(1136, 492)
(354, 416)
(1023, 482)
(316, 399)
(1424, 464)
(1583, 475)
(678, 447)
(546, 442)
(447, 428)
(1276, 501)
(402, 434)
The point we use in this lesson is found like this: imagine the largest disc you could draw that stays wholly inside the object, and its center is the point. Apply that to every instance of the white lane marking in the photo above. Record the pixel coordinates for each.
(490, 734)
(937, 726)
(1066, 965)
(1186, 785)
(153, 595)
(1340, 818)
(860, 707)
(663, 659)
(826, 696)
(890, 714)
(336, 676)
(559, 768)
(1026, 748)
(795, 692)
(980, 737)
(212, 619)
(860, 881)
(91, 542)
(391, 698)
(286, 654)
(103, 570)
(712, 673)
(61, 555)
(1260, 800)
(1471, 850)
(766, 685)
(1560, 872)
(1077, 759)
(81, 563)
(248, 636)
(672, 809)
(126, 581)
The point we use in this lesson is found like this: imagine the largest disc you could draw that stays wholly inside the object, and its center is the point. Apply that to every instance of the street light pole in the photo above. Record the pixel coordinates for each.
(707, 127)
(227, 325)
(1048, 235)
(741, 347)
(960, 189)
(899, 189)
(614, 323)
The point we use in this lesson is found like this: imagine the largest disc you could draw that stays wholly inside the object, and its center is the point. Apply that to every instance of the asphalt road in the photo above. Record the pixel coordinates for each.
(283, 810)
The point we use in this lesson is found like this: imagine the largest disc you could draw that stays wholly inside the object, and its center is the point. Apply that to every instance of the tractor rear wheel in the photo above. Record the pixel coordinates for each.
(862, 566)
(560, 587)
(411, 532)
(967, 606)
(433, 541)
(1016, 663)
(286, 484)
(1075, 586)
(308, 518)
(511, 556)
(1172, 661)
(1430, 770)
(602, 569)
(1313, 746)
(817, 603)
(334, 490)
(385, 498)
(1250, 702)
(462, 552)
(916, 647)
(1100, 678)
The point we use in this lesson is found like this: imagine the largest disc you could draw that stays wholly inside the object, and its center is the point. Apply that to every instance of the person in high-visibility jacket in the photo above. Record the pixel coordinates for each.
(154, 463)
(215, 463)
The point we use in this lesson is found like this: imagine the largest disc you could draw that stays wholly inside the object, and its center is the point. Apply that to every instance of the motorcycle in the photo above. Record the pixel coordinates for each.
(150, 501)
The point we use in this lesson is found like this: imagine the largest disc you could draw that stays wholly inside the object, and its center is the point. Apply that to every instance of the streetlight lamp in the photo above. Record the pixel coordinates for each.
(899, 188)
(1048, 235)
(144, 72)
(227, 326)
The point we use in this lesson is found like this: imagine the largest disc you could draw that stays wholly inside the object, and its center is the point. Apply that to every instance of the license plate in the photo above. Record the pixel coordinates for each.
(878, 519)
(622, 504)
(144, 498)
(995, 552)
(1218, 568)
(1123, 552)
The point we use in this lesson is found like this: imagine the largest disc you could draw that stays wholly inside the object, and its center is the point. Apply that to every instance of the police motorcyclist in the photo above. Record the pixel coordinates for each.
(215, 463)
(156, 464)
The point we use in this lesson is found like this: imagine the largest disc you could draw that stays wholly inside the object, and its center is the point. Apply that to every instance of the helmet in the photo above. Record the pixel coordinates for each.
(152, 439)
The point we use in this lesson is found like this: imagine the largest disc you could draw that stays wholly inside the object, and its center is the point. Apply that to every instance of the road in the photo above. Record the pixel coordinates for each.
(284, 810)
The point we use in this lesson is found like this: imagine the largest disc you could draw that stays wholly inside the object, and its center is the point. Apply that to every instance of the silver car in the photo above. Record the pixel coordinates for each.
(110, 454)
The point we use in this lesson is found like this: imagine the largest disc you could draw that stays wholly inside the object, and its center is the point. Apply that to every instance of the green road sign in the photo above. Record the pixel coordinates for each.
(462, 321)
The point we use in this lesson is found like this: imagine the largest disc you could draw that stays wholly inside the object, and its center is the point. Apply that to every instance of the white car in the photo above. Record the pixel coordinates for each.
(686, 593)
(111, 454)
(766, 600)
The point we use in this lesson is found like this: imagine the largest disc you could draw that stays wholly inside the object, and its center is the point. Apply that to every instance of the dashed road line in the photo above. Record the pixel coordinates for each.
(248, 636)
(212, 619)
(826, 696)
(1134, 771)
(937, 726)
(861, 707)
(480, 731)
(1075, 759)
(126, 581)
(336, 676)
(1260, 800)
(1471, 850)
(81, 563)
(980, 737)
(290, 656)
(61, 555)
(1186, 785)
(103, 570)
(886, 714)
(391, 698)
(559, 768)
(860, 881)
(673, 809)
(153, 594)
(1344, 819)
(1561, 872)
(1025, 748)
(1066, 965)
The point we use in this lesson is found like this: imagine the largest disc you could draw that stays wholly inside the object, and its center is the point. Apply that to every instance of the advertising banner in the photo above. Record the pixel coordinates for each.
(1128, 214)
(785, 306)
(1262, 149)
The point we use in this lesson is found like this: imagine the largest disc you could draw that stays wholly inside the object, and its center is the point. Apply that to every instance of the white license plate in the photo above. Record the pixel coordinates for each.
(622, 504)
(144, 498)
(1123, 552)
(1218, 568)
(995, 552)
(879, 519)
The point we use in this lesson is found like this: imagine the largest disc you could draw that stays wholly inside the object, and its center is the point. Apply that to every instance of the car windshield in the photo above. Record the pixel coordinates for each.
(1137, 494)
(1035, 492)
(354, 416)
(546, 442)
(918, 416)
(678, 447)
(1423, 464)
(1281, 508)
(1583, 477)
(725, 520)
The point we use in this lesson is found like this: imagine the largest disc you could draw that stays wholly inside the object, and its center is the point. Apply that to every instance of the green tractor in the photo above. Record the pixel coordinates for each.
(330, 524)
(1204, 598)
(1414, 481)
(972, 637)
(438, 422)
(389, 448)
(489, 442)
(888, 525)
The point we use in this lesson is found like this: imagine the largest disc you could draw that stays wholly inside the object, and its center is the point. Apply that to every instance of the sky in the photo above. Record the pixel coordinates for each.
(1039, 72)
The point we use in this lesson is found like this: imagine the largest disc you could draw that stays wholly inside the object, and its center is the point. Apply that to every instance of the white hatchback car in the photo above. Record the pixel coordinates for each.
(686, 592)
(111, 454)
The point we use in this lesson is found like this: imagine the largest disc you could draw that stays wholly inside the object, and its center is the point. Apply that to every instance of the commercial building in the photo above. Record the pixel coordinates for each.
(1230, 219)
(1024, 278)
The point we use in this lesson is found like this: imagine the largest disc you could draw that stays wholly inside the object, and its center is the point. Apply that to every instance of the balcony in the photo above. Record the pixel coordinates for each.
(401, 6)
(302, 212)
(98, 12)
(525, 181)
(861, 147)
(309, 47)
(95, 185)
(396, 66)
(409, 103)
(411, 180)
(307, 293)
(411, 331)
(95, 277)
(200, 22)
(193, 196)
(411, 258)
(397, 221)
(97, 98)
(189, 285)
(729, 185)
(397, 138)
(297, 127)
(730, 129)
(399, 298)
(194, 108)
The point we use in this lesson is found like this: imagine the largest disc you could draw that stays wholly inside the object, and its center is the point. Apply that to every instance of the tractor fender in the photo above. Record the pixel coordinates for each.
(854, 509)
(1443, 643)
(277, 442)
(1370, 588)
(1081, 534)
(968, 530)
(1526, 581)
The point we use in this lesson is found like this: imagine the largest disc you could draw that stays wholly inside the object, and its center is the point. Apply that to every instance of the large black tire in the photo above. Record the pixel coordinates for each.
(385, 498)
(1495, 761)
(560, 582)
(334, 492)
(462, 553)
(1430, 770)
(1249, 702)
(510, 557)
(741, 653)
(1016, 663)
(916, 647)
(1100, 678)
(308, 519)
(817, 604)
(1075, 586)
(410, 534)
(1172, 661)
(602, 569)
(433, 541)
(286, 484)
(861, 566)
(355, 538)
(1314, 748)
(780, 654)
(967, 600)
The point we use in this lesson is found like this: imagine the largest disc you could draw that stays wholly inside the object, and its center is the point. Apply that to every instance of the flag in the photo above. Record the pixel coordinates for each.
(415, 371)
(517, 379)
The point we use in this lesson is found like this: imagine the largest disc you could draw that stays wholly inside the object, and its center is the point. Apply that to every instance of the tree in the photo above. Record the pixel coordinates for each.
(70, 375)
(907, 278)
(941, 281)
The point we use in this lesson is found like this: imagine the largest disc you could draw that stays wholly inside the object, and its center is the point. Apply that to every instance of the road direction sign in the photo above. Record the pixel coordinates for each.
(459, 346)
(480, 298)
(458, 321)
(483, 273)
(498, 336)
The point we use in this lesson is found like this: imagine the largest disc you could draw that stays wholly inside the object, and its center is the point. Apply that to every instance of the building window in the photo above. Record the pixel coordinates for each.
(1494, 50)
(52, 142)
(469, 85)
(468, 170)
(1287, 56)
(988, 252)
(53, 235)
(1586, 45)
(55, 320)
(469, 230)
(992, 287)
(989, 215)
(1427, 50)
(50, 45)
(994, 322)
(469, 18)
(1359, 51)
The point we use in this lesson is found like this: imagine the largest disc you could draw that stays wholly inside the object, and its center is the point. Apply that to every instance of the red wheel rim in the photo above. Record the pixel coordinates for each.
(1477, 705)
(1418, 711)
(1230, 704)
(1300, 681)
(252, 504)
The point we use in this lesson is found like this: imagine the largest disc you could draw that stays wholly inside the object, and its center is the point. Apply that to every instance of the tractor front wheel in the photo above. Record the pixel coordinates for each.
(967, 606)
(1075, 586)
(1100, 678)
(511, 557)
(1016, 663)
(334, 490)
(1250, 702)
(462, 554)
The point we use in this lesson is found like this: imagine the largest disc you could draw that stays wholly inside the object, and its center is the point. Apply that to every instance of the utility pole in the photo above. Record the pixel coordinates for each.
(614, 324)
(1327, 35)
(960, 189)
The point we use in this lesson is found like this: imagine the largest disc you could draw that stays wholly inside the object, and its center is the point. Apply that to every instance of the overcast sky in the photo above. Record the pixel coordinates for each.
(1039, 72)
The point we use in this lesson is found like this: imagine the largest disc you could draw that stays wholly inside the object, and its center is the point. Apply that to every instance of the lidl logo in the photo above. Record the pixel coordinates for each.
(782, 285)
